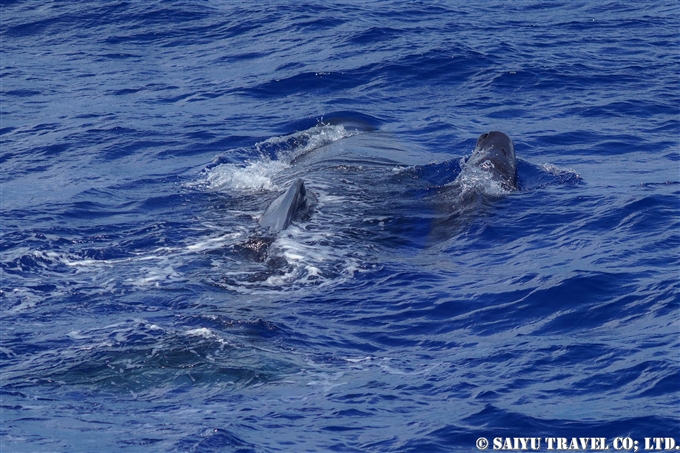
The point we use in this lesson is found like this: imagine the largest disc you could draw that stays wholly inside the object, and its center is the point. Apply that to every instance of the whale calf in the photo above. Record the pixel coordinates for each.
(495, 154)
(295, 203)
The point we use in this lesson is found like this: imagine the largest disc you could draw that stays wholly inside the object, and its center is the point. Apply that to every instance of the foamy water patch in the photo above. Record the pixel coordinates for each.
(299, 258)
(162, 273)
(253, 176)
(92, 277)
(215, 243)
(276, 155)
(318, 256)
(561, 172)
(208, 334)
(473, 178)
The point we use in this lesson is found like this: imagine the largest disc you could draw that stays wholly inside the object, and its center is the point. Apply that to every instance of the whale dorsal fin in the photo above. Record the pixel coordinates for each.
(295, 202)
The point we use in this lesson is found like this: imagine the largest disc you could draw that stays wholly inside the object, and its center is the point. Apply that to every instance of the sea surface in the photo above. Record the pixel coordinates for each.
(141, 141)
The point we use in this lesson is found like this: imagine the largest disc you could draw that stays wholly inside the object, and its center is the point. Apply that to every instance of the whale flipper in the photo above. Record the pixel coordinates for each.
(295, 203)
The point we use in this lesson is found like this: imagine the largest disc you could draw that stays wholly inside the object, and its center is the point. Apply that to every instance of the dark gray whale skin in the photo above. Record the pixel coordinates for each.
(294, 203)
(495, 153)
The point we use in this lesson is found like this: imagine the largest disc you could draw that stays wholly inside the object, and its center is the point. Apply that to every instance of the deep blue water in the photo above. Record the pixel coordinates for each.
(141, 141)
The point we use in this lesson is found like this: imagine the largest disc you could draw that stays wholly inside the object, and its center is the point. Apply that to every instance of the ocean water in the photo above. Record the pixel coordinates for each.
(141, 141)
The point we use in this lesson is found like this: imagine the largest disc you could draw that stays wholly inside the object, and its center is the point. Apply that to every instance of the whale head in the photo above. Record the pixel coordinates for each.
(495, 153)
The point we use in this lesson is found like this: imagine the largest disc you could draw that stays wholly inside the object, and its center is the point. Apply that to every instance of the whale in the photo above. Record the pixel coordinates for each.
(494, 153)
(295, 203)
(469, 194)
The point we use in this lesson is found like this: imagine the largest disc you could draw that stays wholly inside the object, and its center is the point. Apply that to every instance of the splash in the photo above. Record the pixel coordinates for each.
(563, 173)
(254, 176)
(276, 155)
(475, 179)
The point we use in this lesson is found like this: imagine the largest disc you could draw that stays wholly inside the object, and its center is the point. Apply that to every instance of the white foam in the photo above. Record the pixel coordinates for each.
(557, 171)
(309, 259)
(214, 243)
(201, 332)
(204, 332)
(473, 178)
(255, 175)
(154, 276)
(359, 360)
